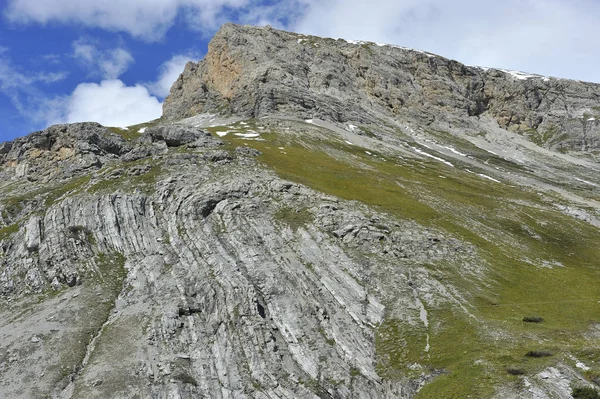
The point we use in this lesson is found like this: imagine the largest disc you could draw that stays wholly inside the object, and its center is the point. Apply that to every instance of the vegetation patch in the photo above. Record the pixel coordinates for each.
(533, 319)
(585, 393)
(7, 231)
(294, 217)
(144, 181)
(515, 371)
(539, 353)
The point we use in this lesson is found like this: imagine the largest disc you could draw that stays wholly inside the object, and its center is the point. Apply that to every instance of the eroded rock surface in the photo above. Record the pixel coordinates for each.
(257, 72)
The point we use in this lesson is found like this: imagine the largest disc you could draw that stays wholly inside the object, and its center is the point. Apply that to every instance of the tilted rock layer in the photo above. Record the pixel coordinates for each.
(258, 72)
(312, 218)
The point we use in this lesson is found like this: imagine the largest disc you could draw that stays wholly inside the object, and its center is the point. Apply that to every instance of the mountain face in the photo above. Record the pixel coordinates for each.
(262, 72)
(311, 218)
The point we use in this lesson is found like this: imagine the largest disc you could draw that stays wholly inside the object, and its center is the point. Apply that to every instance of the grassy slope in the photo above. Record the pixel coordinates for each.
(516, 235)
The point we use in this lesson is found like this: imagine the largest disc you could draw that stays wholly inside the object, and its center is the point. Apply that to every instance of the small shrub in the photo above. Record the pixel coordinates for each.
(585, 393)
(515, 371)
(533, 319)
(186, 379)
(539, 353)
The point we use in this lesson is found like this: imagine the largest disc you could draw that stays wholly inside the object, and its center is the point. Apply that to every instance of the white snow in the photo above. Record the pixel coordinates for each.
(223, 134)
(142, 130)
(124, 128)
(389, 45)
(491, 152)
(352, 127)
(591, 119)
(349, 142)
(523, 75)
(455, 151)
(488, 177)
(586, 182)
(243, 123)
(516, 74)
(355, 41)
(369, 153)
(248, 135)
(582, 366)
(310, 121)
(431, 156)
(301, 40)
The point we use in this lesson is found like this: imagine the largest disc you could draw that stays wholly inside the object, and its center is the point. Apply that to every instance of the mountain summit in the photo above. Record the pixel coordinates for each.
(310, 218)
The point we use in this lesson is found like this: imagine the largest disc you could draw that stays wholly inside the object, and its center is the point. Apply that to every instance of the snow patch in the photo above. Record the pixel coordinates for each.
(223, 134)
(582, 366)
(142, 130)
(455, 151)
(248, 135)
(352, 127)
(431, 156)
(523, 75)
(488, 177)
(586, 182)
(348, 142)
(310, 121)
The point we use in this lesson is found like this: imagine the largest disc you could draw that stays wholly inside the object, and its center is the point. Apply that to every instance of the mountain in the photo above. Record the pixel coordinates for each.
(310, 218)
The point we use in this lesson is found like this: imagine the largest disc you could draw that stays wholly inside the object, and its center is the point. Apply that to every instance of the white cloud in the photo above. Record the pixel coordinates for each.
(21, 87)
(169, 72)
(110, 103)
(108, 64)
(553, 37)
(148, 19)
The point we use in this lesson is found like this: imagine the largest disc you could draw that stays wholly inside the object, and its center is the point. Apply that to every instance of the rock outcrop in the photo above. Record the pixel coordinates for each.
(312, 218)
(257, 72)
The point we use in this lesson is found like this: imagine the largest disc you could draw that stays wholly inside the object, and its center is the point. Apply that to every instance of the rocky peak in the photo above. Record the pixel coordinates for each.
(256, 72)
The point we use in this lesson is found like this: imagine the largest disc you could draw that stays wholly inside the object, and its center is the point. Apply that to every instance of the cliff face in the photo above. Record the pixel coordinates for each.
(257, 72)
(311, 219)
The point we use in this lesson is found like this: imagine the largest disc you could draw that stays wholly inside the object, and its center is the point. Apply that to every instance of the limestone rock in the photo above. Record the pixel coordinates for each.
(257, 72)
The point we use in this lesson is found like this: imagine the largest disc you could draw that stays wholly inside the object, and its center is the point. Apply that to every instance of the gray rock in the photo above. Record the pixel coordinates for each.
(145, 270)
(258, 72)
(175, 136)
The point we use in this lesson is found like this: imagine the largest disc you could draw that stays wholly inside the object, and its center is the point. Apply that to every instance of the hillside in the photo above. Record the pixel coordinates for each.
(311, 218)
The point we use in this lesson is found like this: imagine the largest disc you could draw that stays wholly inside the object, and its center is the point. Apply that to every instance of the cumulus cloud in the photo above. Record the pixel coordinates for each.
(108, 64)
(169, 72)
(110, 103)
(148, 19)
(550, 37)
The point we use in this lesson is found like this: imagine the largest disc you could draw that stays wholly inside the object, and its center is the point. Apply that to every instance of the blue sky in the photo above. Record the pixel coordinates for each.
(113, 61)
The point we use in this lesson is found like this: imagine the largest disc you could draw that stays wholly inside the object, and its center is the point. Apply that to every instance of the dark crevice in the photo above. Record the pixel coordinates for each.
(261, 309)
(188, 311)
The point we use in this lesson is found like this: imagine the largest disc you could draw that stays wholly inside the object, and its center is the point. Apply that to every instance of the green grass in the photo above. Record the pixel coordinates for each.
(133, 132)
(7, 231)
(537, 261)
(294, 218)
(145, 181)
(13, 205)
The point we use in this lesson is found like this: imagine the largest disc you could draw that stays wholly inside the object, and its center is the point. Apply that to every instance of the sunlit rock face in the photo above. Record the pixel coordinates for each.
(311, 218)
